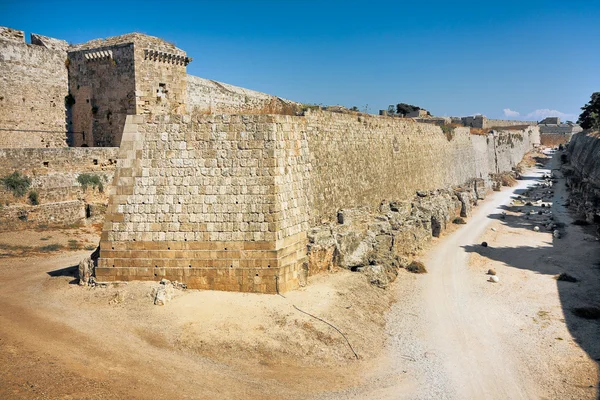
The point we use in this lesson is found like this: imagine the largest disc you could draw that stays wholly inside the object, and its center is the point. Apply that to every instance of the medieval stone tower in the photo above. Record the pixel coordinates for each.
(125, 75)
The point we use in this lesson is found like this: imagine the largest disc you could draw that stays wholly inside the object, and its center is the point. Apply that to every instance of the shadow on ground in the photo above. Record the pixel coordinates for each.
(68, 271)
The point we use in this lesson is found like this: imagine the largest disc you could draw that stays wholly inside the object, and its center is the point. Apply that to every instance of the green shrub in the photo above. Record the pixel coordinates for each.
(17, 183)
(93, 180)
(34, 198)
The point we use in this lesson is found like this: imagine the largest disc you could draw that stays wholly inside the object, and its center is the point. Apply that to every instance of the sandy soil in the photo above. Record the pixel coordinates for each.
(448, 334)
(59, 340)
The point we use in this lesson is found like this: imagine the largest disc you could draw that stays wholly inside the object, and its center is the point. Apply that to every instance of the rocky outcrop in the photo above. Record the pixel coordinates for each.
(379, 243)
(581, 168)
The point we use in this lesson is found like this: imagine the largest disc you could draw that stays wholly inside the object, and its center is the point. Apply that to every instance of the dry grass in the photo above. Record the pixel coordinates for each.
(479, 131)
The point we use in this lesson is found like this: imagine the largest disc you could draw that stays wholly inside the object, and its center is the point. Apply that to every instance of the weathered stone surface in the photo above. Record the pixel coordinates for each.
(86, 271)
(465, 202)
(163, 293)
(33, 86)
(379, 275)
(379, 243)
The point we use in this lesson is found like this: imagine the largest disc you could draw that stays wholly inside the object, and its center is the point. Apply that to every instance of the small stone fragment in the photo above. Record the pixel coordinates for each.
(536, 228)
(491, 271)
(484, 244)
(494, 279)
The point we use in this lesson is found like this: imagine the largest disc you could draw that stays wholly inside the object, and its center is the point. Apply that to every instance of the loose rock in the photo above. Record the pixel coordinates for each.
(86, 271)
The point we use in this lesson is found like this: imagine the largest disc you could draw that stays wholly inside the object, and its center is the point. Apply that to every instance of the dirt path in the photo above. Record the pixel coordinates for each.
(454, 335)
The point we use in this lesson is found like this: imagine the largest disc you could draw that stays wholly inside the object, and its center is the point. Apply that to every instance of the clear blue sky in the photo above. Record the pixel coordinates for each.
(453, 58)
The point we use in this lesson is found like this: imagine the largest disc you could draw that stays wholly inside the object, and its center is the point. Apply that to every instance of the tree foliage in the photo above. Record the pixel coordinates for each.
(590, 117)
(404, 108)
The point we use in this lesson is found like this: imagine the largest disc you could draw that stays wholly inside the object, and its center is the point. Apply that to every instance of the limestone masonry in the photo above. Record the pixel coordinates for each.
(222, 187)
(226, 201)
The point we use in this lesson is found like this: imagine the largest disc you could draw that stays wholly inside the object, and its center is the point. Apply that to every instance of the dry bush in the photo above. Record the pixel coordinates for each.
(416, 267)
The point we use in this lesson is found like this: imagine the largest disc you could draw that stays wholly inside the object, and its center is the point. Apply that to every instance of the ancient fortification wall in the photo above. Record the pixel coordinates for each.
(225, 201)
(216, 203)
(501, 123)
(482, 122)
(358, 160)
(124, 75)
(54, 177)
(554, 139)
(583, 174)
(212, 97)
(33, 86)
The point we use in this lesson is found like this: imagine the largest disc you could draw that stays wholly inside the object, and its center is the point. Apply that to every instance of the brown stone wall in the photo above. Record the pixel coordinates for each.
(54, 176)
(554, 139)
(33, 86)
(225, 201)
(361, 160)
(210, 201)
(160, 70)
(205, 96)
(102, 85)
(52, 214)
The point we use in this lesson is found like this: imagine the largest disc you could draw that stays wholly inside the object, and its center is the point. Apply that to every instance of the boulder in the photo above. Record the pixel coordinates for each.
(380, 275)
(86, 271)
(465, 203)
(163, 294)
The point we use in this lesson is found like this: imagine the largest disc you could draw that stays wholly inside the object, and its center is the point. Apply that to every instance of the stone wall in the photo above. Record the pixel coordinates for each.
(59, 214)
(225, 201)
(561, 129)
(503, 123)
(360, 161)
(482, 122)
(54, 176)
(102, 90)
(212, 97)
(554, 139)
(583, 174)
(216, 203)
(124, 75)
(33, 86)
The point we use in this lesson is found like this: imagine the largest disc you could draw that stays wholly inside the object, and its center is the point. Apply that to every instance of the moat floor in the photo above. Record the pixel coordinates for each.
(448, 334)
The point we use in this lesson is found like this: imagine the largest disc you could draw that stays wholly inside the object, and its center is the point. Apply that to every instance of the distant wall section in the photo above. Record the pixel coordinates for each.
(555, 139)
(362, 160)
(54, 174)
(33, 86)
(212, 97)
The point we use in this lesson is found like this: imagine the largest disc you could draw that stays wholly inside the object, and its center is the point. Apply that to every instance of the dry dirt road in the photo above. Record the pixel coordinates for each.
(459, 336)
